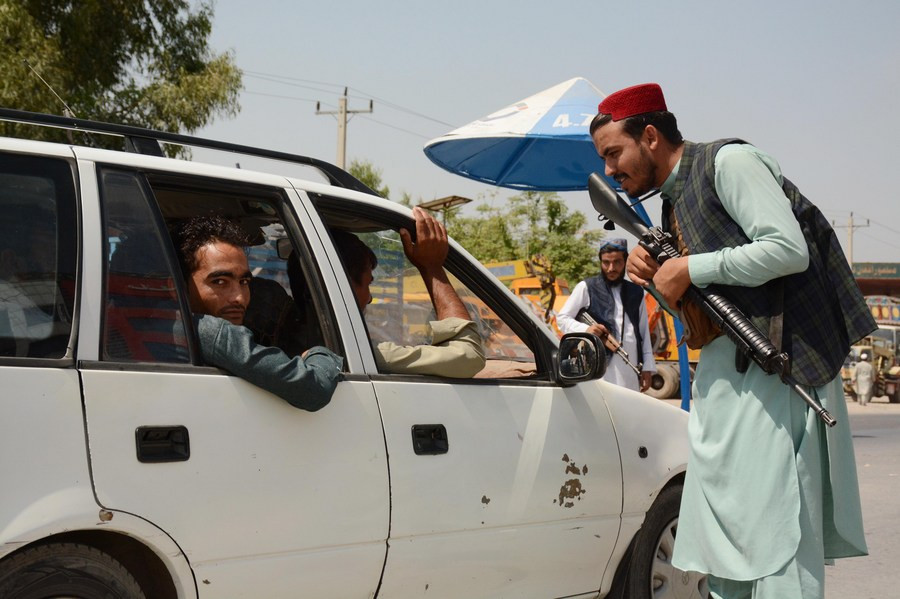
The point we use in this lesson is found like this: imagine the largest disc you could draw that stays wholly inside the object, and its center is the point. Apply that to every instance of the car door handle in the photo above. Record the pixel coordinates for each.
(430, 439)
(162, 444)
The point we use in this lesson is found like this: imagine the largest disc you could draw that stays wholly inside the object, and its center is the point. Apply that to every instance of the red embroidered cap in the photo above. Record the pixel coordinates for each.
(637, 99)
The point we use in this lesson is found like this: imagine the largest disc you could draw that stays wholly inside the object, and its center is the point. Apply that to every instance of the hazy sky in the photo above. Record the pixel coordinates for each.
(815, 83)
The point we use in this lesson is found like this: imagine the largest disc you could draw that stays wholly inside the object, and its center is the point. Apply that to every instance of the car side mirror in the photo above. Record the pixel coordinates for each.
(581, 357)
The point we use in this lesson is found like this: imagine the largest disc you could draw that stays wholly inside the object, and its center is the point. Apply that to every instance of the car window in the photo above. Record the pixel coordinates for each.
(143, 318)
(38, 254)
(401, 310)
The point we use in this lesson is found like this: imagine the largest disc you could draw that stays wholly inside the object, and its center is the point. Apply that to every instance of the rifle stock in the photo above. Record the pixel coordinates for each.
(736, 326)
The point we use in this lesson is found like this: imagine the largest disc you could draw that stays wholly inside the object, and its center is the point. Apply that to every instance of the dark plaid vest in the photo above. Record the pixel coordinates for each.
(824, 310)
(603, 308)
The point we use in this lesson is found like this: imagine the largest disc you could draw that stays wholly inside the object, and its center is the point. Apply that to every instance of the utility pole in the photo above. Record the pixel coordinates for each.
(850, 227)
(342, 119)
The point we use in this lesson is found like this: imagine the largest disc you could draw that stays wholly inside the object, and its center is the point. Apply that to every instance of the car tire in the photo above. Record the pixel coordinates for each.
(66, 570)
(664, 382)
(651, 574)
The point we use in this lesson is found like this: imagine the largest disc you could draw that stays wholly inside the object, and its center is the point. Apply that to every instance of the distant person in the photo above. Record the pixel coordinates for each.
(863, 379)
(211, 252)
(770, 493)
(618, 308)
(455, 350)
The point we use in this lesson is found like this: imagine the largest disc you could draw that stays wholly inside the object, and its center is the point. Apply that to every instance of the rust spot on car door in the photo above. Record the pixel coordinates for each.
(571, 490)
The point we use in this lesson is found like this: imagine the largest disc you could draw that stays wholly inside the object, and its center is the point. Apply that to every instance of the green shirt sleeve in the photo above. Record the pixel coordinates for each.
(455, 352)
(748, 183)
(304, 382)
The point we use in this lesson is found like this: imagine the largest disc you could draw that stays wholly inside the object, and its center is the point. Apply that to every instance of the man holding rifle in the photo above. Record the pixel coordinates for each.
(610, 306)
(770, 491)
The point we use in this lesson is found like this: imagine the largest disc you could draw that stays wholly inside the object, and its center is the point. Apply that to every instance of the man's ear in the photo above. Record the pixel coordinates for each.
(651, 136)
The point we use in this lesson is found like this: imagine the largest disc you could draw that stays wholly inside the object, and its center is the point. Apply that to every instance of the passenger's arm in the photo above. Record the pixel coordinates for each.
(306, 382)
(455, 351)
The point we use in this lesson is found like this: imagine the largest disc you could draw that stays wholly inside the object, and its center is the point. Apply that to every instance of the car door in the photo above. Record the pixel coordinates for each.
(502, 485)
(264, 499)
(44, 467)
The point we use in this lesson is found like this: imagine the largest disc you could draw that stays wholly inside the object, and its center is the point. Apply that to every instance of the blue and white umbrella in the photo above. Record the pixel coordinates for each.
(540, 143)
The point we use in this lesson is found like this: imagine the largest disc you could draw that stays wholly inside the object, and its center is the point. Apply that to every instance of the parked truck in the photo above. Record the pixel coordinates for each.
(666, 383)
(883, 348)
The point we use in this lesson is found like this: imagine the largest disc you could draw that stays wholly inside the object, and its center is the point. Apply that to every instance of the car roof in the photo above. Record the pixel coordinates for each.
(140, 140)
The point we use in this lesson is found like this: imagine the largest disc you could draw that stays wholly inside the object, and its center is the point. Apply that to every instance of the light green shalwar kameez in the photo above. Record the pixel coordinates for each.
(769, 493)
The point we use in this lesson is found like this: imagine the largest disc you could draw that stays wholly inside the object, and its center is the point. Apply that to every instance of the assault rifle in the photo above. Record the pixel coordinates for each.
(750, 341)
(587, 319)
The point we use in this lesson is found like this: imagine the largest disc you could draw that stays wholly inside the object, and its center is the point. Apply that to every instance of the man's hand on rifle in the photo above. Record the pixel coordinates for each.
(646, 378)
(671, 279)
(602, 332)
(641, 266)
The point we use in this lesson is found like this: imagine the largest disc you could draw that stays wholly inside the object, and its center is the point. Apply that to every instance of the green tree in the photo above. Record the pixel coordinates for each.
(366, 172)
(532, 223)
(488, 236)
(135, 62)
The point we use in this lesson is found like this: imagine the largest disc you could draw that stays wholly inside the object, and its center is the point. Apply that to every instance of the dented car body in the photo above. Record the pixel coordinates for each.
(520, 482)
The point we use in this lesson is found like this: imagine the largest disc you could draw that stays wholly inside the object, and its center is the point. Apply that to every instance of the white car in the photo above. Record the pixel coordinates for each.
(131, 469)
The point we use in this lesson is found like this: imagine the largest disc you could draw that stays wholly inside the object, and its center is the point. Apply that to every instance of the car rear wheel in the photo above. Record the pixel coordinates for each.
(651, 574)
(59, 570)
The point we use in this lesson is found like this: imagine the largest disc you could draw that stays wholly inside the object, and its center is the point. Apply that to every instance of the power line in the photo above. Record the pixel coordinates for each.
(249, 93)
(419, 135)
(326, 104)
(874, 223)
(407, 110)
(882, 241)
(878, 224)
(285, 79)
(296, 82)
(279, 80)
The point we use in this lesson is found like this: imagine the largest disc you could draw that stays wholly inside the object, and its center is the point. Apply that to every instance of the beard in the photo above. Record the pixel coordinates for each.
(645, 172)
(614, 282)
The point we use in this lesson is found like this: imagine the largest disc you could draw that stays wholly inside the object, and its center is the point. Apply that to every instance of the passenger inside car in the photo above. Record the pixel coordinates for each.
(455, 349)
(280, 320)
(217, 272)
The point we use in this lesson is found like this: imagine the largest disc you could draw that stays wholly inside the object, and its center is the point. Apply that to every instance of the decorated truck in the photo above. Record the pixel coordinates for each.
(883, 348)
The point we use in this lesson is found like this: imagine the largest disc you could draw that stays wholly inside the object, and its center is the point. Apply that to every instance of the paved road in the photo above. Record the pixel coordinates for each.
(876, 441)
